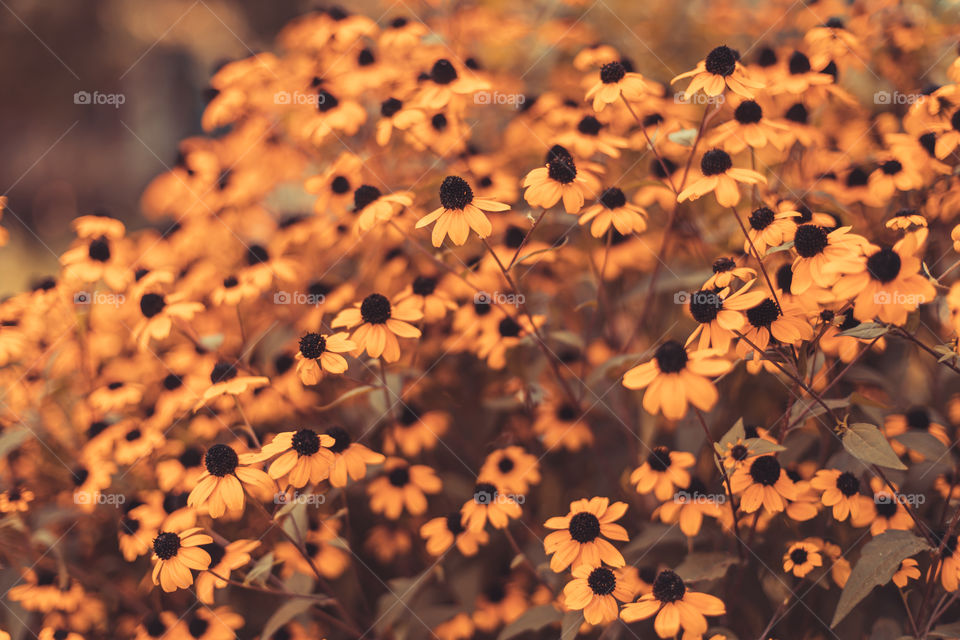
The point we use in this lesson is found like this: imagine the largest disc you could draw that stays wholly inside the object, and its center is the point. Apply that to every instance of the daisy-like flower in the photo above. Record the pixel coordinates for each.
(402, 487)
(615, 81)
(720, 70)
(949, 138)
(159, 313)
(512, 469)
(15, 499)
(800, 76)
(559, 179)
(321, 352)
(597, 590)
(768, 228)
(393, 115)
(675, 607)
(891, 176)
(581, 539)
(221, 487)
(885, 511)
(350, 459)
(674, 377)
(459, 212)
(489, 503)
(763, 483)
(305, 457)
(613, 209)
(840, 490)
(784, 322)
(888, 285)
(445, 84)
(750, 128)
(725, 271)
(801, 558)
(443, 532)
(380, 324)
(370, 206)
(688, 506)
(736, 454)
(823, 256)
(720, 176)
(225, 381)
(720, 314)
(176, 554)
(434, 302)
(223, 560)
(663, 472)
(950, 561)
(907, 571)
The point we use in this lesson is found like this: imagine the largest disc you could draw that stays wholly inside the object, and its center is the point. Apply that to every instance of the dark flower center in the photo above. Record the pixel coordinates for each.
(848, 484)
(739, 452)
(671, 357)
(798, 555)
(340, 185)
(764, 314)
(662, 167)
(312, 345)
(591, 126)
(560, 165)
(886, 505)
(363, 196)
(705, 305)
(509, 328)
(918, 418)
(154, 626)
(257, 255)
(389, 107)
(399, 477)
(884, 265)
(99, 250)
(443, 72)
(602, 581)
(151, 304)
(191, 457)
(424, 285)
(929, 143)
(722, 61)
(799, 63)
(455, 193)
(80, 475)
(566, 413)
(365, 58)
(761, 218)
(612, 72)
(748, 112)
(659, 459)
(857, 177)
(584, 527)
(810, 240)
(216, 551)
(306, 442)
(341, 439)
(133, 434)
(797, 113)
(222, 371)
(409, 415)
(326, 101)
(613, 198)
(197, 627)
(166, 545)
(668, 587)
(722, 265)
(230, 282)
(765, 470)
(505, 465)
(220, 460)
(439, 122)
(375, 309)
(891, 167)
(455, 523)
(715, 162)
(767, 57)
(484, 493)
(784, 277)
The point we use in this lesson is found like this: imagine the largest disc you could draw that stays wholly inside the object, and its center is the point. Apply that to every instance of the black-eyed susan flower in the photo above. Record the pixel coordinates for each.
(675, 377)
(748, 128)
(581, 539)
(801, 558)
(445, 531)
(225, 381)
(720, 70)
(720, 314)
(402, 487)
(675, 607)
(725, 270)
(372, 207)
(321, 352)
(489, 503)
(15, 499)
(613, 209)
(768, 228)
(616, 82)
(718, 175)
(840, 490)
(459, 212)
(175, 554)
(689, 505)
(350, 459)
(223, 560)
(663, 472)
(822, 256)
(304, 457)
(415, 430)
(763, 483)
(559, 179)
(512, 469)
(597, 591)
(908, 570)
(221, 487)
(380, 324)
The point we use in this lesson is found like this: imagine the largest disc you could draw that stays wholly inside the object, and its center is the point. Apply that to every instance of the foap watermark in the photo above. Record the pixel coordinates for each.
(310, 499)
(299, 298)
(697, 297)
(97, 98)
(896, 97)
(98, 297)
(496, 97)
(906, 499)
(492, 496)
(697, 98)
(499, 297)
(696, 497)
(896, 297)
(299, 97)
(86, 497)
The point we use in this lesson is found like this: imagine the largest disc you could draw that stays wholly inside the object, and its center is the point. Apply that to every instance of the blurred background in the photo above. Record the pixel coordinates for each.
(63, 159)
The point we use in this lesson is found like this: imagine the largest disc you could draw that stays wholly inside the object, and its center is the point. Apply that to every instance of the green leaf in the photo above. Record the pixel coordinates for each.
(866, 331)
(260, 571)
(781, 247)
(923, 443)
(532, 620)
(879, 560)
(867, 443)
(707, 565)
(284, 614)
(296, 522)
(762, 447)
(730, 437)
(572, 621)
(683, 137)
